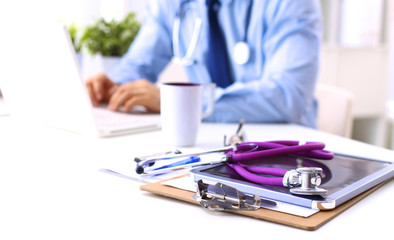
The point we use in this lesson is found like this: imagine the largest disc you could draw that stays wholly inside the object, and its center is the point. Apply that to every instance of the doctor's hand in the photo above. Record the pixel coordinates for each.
(100, 88)
(140, 92)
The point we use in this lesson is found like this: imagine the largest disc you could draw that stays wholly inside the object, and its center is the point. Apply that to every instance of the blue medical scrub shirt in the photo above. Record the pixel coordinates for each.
(276, 84)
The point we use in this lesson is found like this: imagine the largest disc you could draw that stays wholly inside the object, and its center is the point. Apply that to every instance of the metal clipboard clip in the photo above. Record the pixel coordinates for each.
(220, 197)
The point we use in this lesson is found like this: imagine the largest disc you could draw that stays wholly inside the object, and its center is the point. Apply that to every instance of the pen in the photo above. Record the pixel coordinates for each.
(188, 162)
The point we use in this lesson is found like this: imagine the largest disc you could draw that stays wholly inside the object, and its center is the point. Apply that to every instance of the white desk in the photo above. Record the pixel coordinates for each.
(51, 188)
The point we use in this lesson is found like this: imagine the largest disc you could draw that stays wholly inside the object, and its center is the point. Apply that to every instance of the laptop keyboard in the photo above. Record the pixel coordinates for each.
(110, 119)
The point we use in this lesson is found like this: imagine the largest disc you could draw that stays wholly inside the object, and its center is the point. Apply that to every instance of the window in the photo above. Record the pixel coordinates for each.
(354, 23)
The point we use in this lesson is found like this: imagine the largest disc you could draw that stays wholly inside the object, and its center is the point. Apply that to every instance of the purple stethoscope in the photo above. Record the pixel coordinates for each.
(302, 181)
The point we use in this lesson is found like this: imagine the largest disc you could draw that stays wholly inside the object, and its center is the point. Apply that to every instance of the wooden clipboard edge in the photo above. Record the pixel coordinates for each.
(306, 223)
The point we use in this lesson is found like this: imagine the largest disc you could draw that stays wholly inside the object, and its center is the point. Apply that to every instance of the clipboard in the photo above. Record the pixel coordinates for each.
(306, 223)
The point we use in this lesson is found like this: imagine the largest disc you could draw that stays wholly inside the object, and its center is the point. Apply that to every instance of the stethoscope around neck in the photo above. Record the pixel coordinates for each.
(241, 52)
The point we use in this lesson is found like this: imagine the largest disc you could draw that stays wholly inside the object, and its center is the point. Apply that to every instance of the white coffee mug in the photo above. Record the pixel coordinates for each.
(182, 111)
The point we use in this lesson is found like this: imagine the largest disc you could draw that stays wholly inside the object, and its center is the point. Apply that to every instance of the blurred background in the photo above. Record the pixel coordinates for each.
(357, 53)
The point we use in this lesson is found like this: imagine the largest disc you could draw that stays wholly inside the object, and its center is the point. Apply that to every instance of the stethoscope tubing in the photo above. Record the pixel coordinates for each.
(275, 181)
(275, 148)
(249, 151)
(261, 150)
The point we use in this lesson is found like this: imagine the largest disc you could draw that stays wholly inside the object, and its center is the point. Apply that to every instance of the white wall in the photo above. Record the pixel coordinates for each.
(390, 113)
(364, 71)
(391, 49)
(356, 56)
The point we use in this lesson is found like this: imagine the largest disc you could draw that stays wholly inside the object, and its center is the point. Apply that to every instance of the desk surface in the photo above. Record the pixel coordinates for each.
(51, 188)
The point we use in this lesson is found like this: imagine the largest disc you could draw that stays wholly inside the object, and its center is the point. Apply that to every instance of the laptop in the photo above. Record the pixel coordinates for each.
(45, 84)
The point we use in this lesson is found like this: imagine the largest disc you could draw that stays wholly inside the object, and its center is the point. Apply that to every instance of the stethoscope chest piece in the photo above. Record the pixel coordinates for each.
(313, 191)
(241, 53)
(304, 181)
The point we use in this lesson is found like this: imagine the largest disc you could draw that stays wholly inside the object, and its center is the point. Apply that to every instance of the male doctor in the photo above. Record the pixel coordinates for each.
(273, 79)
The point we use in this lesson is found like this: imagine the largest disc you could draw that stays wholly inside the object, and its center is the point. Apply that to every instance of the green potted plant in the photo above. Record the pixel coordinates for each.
(110, 38)
(104, 42)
